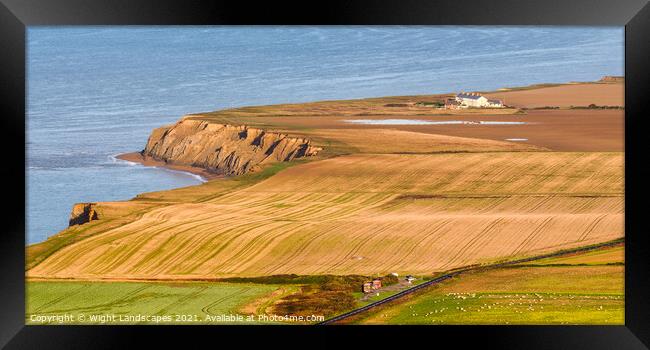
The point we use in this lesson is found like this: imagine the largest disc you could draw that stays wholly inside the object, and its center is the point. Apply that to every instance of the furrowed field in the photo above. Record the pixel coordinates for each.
(586, 288)
(367, 214)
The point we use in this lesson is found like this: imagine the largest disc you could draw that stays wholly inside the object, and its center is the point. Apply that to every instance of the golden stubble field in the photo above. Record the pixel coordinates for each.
(366, 214)
(411, 199)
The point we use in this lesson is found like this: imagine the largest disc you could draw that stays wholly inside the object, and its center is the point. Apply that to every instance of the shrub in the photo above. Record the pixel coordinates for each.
(430, 103)
(594, 106)
(388, 280)
(324, 303)
(319, 294)
(395, 105)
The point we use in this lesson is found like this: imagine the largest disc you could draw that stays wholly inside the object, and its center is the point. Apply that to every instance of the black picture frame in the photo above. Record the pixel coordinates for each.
(15, 15)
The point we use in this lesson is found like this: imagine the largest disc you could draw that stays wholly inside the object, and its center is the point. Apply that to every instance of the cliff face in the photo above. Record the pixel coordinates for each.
(82, 213)
(223, 149)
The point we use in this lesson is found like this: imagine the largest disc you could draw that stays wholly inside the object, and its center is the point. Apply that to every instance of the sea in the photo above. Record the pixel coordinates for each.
(94, 92)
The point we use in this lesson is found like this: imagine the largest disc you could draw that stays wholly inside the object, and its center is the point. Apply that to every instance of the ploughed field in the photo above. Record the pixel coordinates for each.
(564, 95)
(550, 129)
(366, 214)
(563, 123)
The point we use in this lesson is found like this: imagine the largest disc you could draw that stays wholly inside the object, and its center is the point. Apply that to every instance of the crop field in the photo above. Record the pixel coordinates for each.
(603, 94)
(544, 129)
(586, 288)
(366, 214)
(129, 299)
(399, 141)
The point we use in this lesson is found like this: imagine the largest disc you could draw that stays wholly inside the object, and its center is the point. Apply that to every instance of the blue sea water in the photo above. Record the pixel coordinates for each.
(94, 92)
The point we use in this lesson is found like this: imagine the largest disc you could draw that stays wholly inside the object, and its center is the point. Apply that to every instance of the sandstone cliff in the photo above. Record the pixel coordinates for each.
(223, 149)
(82, 213)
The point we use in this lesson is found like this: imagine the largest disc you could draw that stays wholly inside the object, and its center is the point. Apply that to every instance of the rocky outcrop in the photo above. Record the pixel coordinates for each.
(223, 149)
(83, 213)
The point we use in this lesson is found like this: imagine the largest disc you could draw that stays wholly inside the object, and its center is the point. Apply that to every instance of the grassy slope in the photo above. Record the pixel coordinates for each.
(271, 295)
(585, 288)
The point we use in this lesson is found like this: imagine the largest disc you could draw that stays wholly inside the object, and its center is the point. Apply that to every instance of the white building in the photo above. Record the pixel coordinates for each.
(410, 278)
(472, 99)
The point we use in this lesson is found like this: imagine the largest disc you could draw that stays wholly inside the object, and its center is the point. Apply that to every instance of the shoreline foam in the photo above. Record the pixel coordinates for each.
(138, 158)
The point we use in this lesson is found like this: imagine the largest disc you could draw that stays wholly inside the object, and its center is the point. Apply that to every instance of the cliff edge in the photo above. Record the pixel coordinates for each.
(82, 213)
(223, 149)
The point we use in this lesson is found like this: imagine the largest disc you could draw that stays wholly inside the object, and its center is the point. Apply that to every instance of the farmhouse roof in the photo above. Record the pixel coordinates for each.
(471, 96)
(494, 101)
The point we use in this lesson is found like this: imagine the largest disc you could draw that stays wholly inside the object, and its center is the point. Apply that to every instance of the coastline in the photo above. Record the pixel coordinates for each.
(137, 157)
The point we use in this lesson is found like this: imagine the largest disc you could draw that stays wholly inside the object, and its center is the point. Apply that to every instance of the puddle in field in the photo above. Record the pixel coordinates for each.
(427, 122)
(502, 123)
(515, 139)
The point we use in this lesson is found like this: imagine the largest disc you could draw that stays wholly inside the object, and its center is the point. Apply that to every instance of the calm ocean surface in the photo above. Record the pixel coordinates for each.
(94, 92)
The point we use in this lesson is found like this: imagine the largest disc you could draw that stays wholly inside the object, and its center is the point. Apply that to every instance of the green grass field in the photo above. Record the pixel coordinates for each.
(181, 303)
(578, 289)
(514, 308)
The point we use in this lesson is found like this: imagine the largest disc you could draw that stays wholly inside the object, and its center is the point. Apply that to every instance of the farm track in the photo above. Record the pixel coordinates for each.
(206, 309)
(61, 298)
(449, 275)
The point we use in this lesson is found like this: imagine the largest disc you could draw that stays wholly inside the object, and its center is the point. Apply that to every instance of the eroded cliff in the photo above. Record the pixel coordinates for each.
(82, 213)
(223, 149)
